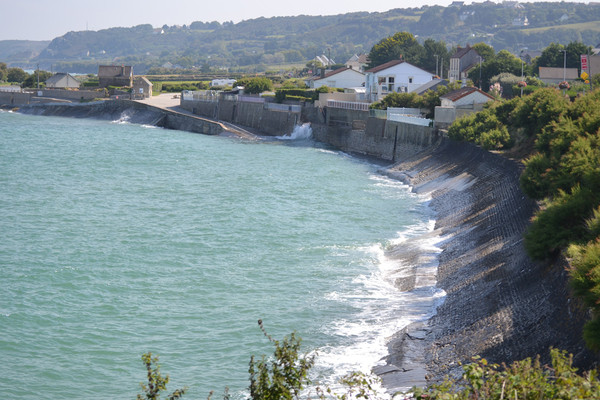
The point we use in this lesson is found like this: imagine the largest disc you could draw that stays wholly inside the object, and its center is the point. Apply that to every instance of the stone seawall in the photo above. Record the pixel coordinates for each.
(357, 132)
(499, 304)
(128, 111)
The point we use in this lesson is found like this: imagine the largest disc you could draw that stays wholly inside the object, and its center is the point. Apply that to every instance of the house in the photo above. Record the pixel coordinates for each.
(62, 81)
(142, 88)
(115, 75)
(394, 76)
(459, 103)
(461, 62)
(520, 21)
(465, 96)
(324, 60)
(358, 62)
(340, 78)
(554, 75)
(593, 65)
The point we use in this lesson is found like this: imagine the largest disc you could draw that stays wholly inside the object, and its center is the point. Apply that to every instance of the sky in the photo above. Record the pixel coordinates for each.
(47, 19)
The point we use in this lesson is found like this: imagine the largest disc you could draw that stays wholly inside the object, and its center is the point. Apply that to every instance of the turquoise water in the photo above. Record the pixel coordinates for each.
(118, 239)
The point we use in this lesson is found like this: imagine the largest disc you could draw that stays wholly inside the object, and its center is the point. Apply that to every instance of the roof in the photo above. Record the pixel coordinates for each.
(143, 79)
(462, 51)
(337, 71)
(431, 85)
(387, 65)
(463, 92)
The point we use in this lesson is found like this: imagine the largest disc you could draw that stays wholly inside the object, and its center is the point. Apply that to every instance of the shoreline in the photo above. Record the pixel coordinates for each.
(499, 304)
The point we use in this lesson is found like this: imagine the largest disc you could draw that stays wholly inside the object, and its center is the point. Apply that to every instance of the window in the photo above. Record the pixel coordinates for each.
(410, 79)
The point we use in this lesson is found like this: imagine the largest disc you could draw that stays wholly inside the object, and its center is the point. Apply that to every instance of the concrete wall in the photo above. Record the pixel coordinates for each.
(68, 94)
(255, 116)
(356, 132)
(14, 98)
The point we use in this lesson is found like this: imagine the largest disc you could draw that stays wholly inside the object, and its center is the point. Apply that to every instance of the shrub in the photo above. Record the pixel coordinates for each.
(156, 382)
(525, 379)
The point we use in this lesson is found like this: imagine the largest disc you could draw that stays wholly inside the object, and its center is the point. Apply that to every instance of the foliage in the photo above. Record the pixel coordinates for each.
(255, 85)
(483, 128)
(285, 376)
(295, 94)
(493, 65)
(156, 382)
(427, 101)
(3, 71)
(525, 379)
(401, 45)
(32, 80)
(16, 75)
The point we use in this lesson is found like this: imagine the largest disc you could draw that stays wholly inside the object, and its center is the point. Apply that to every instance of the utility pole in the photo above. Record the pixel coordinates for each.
(564, 65)
(436, 64)
(479, 72)
(38, 76)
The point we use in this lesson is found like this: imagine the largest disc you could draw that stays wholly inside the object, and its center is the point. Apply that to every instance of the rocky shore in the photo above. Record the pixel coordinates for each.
(500, 304)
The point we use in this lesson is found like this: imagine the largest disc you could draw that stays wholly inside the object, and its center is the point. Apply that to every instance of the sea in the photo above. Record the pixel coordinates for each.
(119, 239)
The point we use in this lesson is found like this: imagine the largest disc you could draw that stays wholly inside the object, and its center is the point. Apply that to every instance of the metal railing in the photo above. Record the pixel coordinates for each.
(415, 112)
(283, 107)
(348, 105)
(410, 119)
(201, 95)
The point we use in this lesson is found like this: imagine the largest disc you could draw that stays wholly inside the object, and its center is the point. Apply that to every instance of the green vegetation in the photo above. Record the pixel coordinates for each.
(156, 382)
(562, 171)
(285, 376)
(255, 85)
(526, 379)
(262, 44)
(427, 101)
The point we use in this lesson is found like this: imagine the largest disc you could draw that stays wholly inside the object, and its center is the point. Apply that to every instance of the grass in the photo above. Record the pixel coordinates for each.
(593, 26)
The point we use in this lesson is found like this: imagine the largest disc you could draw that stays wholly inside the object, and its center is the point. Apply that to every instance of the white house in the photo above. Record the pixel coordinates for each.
(465, 96)
(62, 81)
(394, 76)
(340, 78)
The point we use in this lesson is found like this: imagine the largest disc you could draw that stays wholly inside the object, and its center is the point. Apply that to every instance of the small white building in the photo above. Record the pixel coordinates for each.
(465, 96)
(341, 78)
(394, 76)
(62, 81)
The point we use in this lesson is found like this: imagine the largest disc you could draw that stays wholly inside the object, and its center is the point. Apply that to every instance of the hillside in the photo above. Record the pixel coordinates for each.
(268, 43)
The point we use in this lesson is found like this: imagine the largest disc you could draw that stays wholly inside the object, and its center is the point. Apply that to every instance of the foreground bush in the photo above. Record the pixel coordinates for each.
(526, 379)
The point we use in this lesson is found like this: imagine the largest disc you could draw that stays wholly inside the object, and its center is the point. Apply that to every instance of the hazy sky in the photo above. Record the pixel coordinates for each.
(47, 19)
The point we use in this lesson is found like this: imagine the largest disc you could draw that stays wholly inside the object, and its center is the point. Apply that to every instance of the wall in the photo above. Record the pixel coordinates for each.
(356, 132)
(14, 98)
(68, 94)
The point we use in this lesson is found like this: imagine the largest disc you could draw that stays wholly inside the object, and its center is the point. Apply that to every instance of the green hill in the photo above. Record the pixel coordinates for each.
(269, 43)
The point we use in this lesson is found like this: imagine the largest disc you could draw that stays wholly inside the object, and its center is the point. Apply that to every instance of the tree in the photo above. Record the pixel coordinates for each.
(32, 80)
(16, 75)
(552, 56)
(486, 51)
(402, 45)
(502, 62)
(255, 85)
(156, 382)
(3, 71)
(435, 54)
(284, 377)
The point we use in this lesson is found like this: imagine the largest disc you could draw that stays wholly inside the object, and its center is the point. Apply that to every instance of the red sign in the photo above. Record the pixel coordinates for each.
(584, 62)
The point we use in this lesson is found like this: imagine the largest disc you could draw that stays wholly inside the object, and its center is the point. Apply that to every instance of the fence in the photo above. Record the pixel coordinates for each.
(407, 119)
(201, 95)
(283, 107)
(415, 112)
(250, 99)
(348, 105)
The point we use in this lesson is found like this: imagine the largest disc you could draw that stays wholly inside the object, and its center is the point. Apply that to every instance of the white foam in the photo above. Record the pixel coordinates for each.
(383, 309)
(300, 132)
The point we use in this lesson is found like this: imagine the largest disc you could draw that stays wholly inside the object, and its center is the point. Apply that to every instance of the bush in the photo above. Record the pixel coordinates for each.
(526, 379)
